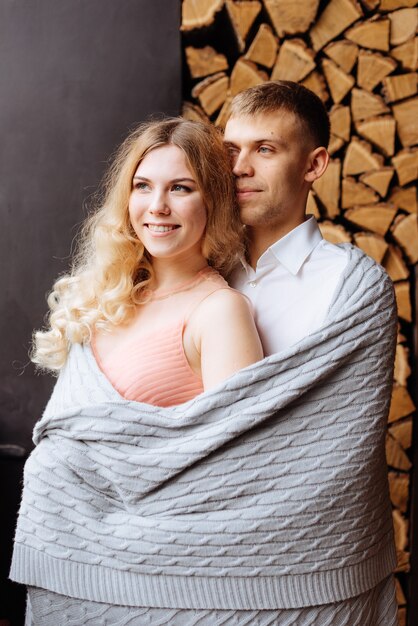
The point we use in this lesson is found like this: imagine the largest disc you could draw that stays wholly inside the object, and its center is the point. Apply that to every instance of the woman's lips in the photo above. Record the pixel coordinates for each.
(161, 228)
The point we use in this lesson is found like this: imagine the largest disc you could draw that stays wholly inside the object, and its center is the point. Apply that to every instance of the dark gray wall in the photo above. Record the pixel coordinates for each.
(75, 76)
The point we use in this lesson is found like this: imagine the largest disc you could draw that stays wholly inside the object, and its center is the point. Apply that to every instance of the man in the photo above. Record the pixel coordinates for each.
(277, 135)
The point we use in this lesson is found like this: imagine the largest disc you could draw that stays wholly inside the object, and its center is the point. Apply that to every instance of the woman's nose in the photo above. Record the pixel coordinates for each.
(159, 205)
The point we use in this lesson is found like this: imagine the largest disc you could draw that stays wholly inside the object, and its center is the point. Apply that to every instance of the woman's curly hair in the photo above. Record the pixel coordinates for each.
(111, 266)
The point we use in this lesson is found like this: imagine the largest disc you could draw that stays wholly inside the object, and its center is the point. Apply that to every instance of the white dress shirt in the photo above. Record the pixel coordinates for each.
(292, 286)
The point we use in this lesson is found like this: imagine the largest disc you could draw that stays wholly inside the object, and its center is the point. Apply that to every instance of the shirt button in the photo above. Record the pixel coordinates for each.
(253, 283)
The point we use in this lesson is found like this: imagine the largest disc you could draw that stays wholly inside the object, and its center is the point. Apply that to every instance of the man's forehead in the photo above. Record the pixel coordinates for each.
(274, 124)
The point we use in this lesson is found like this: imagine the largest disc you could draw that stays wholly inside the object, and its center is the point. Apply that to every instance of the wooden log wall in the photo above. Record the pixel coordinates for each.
(361, 60)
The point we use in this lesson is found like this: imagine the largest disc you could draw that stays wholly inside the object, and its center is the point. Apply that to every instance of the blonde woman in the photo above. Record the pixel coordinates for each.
(147, 303)
(168, 220)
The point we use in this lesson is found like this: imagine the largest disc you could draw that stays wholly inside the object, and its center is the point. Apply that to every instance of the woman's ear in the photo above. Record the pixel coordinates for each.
(317, 164)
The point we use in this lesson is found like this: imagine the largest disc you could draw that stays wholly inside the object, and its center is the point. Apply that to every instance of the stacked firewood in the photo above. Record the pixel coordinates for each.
(360, 58)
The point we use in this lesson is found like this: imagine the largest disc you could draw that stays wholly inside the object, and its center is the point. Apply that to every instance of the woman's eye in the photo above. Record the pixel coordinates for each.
(179, 187)
(140, 186)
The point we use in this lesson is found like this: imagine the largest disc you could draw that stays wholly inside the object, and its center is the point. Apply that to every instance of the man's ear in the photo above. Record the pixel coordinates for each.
(317, 164)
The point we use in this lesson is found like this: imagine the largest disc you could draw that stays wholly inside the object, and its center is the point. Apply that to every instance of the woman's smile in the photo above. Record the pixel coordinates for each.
(161, 229)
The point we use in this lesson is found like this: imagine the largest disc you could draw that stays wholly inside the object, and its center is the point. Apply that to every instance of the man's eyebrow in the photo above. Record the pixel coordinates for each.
(258, 142)
(276, 141)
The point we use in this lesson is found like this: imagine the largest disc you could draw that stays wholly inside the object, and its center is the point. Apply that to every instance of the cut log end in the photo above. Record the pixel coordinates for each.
(327, 188)
(291, 18)
(335, 233)
(359, 158)
(372, 244)
(199, 14)
(401, 404)
(394, 264)
(242, 15)
(373, 33)
(376, 218)
(294, 61)
(372, 67)
(204, 61)
(405, 233)
(379, 180)
(403, 301)
(334, 19)
(263, 49)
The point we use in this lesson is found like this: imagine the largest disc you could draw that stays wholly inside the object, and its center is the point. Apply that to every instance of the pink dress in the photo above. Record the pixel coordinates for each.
(149, 364)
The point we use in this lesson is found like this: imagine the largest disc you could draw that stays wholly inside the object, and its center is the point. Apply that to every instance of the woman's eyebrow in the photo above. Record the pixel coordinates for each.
(178, 180)
(173, 180)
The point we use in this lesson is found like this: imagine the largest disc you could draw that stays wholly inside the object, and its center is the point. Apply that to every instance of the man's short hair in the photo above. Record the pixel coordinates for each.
(273, 96)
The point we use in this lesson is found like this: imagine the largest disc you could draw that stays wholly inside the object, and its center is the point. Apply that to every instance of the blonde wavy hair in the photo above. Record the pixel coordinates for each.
(111, 267)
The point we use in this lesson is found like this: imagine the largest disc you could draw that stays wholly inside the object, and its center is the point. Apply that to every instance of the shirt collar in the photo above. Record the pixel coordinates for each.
(293, 249)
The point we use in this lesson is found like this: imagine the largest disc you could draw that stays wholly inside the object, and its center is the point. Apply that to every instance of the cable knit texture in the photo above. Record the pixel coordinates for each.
(269, 491)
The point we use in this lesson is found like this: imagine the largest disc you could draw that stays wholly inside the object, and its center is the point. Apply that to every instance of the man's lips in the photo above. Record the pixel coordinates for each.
(246, 191)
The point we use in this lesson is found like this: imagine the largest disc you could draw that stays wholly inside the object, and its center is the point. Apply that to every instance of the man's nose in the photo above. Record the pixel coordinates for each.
(242, 165)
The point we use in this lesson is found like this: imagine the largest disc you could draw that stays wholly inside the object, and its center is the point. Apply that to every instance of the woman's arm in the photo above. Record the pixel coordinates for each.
(224, 335)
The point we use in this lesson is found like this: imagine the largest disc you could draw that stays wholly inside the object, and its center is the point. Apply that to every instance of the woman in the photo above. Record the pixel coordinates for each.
(168, 221)
(147, 294)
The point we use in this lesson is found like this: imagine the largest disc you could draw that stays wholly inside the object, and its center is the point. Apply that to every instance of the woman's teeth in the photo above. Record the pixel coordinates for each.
(160, 229)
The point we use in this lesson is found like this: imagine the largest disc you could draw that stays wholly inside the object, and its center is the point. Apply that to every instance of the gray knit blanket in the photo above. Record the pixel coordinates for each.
(269, 491)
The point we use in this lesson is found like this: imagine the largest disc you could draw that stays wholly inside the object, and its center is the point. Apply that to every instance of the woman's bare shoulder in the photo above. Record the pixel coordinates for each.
(225, 300)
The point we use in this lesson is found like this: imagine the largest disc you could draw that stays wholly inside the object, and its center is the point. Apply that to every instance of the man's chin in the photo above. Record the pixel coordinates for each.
(257, 221)
(249, 217)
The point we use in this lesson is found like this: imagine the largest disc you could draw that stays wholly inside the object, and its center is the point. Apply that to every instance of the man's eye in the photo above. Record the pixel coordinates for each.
(233, 153)
(264, 149)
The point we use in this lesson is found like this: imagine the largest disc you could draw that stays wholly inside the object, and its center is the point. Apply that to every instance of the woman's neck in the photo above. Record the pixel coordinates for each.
(171, 272)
